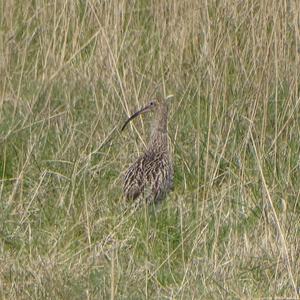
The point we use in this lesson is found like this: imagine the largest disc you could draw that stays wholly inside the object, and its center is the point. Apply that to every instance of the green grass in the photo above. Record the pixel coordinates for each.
(70, 74)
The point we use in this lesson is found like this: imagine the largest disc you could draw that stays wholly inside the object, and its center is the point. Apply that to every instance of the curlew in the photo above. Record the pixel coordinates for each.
(150, 177)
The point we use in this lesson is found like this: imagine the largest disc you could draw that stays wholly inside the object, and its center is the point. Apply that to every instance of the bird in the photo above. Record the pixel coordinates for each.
(150, 177)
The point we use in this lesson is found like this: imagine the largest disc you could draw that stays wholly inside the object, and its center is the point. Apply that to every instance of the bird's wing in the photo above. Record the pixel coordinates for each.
(133, 181)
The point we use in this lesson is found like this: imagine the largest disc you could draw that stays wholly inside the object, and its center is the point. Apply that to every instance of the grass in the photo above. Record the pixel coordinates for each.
(70, 73)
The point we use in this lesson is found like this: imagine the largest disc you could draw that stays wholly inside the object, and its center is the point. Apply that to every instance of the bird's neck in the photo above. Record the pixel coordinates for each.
(158, 141)
(159, 133)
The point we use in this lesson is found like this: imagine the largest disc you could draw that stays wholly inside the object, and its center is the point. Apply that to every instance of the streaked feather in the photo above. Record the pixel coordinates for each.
(151, 175)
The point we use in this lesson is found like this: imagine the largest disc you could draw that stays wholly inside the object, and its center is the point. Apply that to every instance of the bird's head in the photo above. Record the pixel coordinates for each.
(151, 106)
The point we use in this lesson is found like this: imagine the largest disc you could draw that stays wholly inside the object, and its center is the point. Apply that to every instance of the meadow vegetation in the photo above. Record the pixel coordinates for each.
(70, 74)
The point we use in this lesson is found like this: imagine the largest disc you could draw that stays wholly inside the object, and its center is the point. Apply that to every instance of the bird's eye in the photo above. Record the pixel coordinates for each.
(151, 103)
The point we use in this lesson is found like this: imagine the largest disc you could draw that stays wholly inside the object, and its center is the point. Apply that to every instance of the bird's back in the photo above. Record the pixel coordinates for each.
(150, 176)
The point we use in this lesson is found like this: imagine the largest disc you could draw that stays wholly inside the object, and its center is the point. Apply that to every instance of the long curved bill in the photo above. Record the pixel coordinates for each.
(134, 116)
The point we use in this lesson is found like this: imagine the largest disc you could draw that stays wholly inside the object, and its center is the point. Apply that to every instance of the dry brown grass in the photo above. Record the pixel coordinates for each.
(70, 72)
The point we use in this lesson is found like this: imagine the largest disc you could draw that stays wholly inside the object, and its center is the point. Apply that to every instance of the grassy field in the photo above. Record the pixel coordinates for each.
(70, 74)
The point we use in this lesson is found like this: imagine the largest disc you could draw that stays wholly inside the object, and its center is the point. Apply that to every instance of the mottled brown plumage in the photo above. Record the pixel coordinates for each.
(150, 176)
